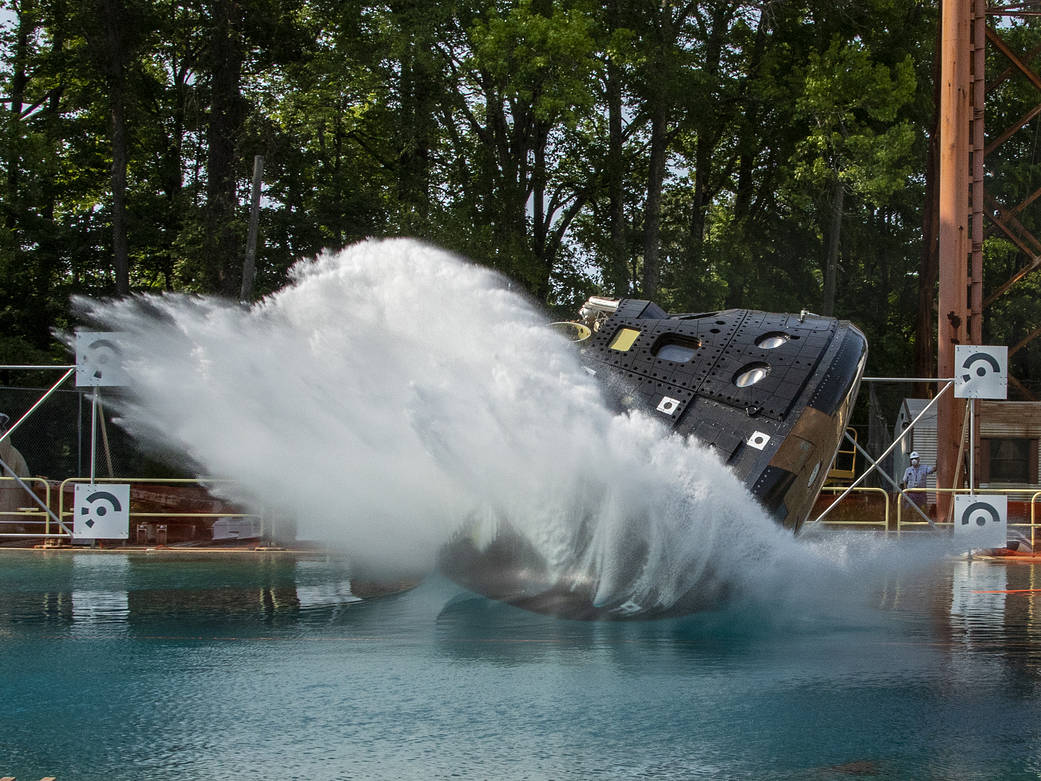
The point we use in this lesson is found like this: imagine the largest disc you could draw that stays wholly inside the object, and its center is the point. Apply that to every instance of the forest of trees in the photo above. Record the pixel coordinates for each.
(770, 154)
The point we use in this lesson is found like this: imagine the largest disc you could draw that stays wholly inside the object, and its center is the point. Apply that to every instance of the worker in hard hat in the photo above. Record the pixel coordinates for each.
(914, 480)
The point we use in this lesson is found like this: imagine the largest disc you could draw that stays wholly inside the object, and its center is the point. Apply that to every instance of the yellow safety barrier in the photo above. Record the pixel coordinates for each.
(844, 466)
(66, 514)
(29, 512)
(864, 490)
(1033, 517)
(945, 524)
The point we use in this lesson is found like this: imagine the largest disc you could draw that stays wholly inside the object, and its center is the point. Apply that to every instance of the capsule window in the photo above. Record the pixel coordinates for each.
(751, 374)
(677, 349)
(772, 341)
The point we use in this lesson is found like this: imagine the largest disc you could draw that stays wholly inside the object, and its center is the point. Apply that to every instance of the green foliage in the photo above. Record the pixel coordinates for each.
(517, 132)
(852, 107)
(538, 59)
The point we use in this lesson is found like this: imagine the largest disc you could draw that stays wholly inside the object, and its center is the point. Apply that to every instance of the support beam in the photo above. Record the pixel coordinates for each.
(1023, 389)
(1013, 129)
(1023, 343)
(1013, 228)
(1007, 73)
(1002, 47)
(976, 140)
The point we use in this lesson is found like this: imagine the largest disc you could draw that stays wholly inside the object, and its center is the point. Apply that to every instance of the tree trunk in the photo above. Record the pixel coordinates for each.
(929, 261)
(19, 80)
(652, 219)
(831, 264)
(417, 90)
(708, 137)
(222, 135)
(117, 111)
(618, 275)
(110, 43)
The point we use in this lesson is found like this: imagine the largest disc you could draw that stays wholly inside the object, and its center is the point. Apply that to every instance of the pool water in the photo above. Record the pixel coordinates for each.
(128, 666)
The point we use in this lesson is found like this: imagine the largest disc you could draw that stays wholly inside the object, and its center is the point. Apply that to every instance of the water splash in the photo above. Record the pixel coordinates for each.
(393, 392)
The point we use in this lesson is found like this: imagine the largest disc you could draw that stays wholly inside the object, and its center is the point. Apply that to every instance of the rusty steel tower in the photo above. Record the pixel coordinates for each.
(966, 28)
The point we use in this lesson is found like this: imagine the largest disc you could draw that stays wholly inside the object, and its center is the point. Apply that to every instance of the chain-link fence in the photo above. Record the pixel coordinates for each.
(56, 439)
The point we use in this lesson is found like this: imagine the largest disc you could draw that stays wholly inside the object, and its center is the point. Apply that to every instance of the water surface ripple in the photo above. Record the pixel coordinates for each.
(130, 667)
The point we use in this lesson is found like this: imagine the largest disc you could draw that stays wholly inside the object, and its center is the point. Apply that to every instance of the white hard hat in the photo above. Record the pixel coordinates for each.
(914, 454)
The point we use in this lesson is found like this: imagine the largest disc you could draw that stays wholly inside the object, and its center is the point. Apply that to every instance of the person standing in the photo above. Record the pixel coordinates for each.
(914, 480)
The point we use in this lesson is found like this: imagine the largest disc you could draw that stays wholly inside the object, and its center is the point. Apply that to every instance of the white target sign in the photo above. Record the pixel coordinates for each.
(980, 372)
(668, 405)
(981, 521)
(99, 360)
(102, 512)
(759, 440)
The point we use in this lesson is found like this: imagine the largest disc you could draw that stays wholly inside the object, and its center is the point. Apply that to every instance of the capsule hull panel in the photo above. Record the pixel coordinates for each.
(770, 393)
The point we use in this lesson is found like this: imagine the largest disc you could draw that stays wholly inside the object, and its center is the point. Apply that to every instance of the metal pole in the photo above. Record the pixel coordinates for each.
(104, 436)
(5, 468)
(886, 452)
(32, 409)
(972, 446)
(79, 434)
(907, 379)
(888, 477)
(93, 431)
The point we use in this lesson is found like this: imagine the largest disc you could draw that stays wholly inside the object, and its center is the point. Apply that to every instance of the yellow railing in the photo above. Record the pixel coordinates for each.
(1030, 495)
(1033, 516)
(908, 520)
(66, 514)
(28, 512)
(829, 520)
(845, 457)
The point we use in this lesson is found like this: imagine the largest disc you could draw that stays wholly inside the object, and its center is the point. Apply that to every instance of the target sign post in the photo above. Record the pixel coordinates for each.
(101, 512)
(981, 521)
(981, 372)
(99, 360)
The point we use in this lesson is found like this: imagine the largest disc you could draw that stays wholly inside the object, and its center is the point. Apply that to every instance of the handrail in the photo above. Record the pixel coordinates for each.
(839, 473)
(1033, 493)
(32, 515)
(172, 513)
(890, 449)
(884, 523)
(1033, 517)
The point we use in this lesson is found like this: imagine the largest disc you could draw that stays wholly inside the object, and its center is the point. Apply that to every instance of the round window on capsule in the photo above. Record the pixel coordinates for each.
(751, 374)
(772, 340)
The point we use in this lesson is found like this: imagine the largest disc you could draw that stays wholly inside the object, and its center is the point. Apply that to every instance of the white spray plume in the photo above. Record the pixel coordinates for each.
(393, 392)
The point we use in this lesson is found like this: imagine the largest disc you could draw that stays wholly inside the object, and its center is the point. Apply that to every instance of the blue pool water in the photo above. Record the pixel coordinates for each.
(119, 666)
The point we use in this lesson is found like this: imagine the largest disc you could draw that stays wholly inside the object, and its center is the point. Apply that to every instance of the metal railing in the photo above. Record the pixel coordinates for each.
(899, 517)
(1030, 496)
(863, 490)
(844, 465)
(54, 519)
(28, 512)
(137, 515)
